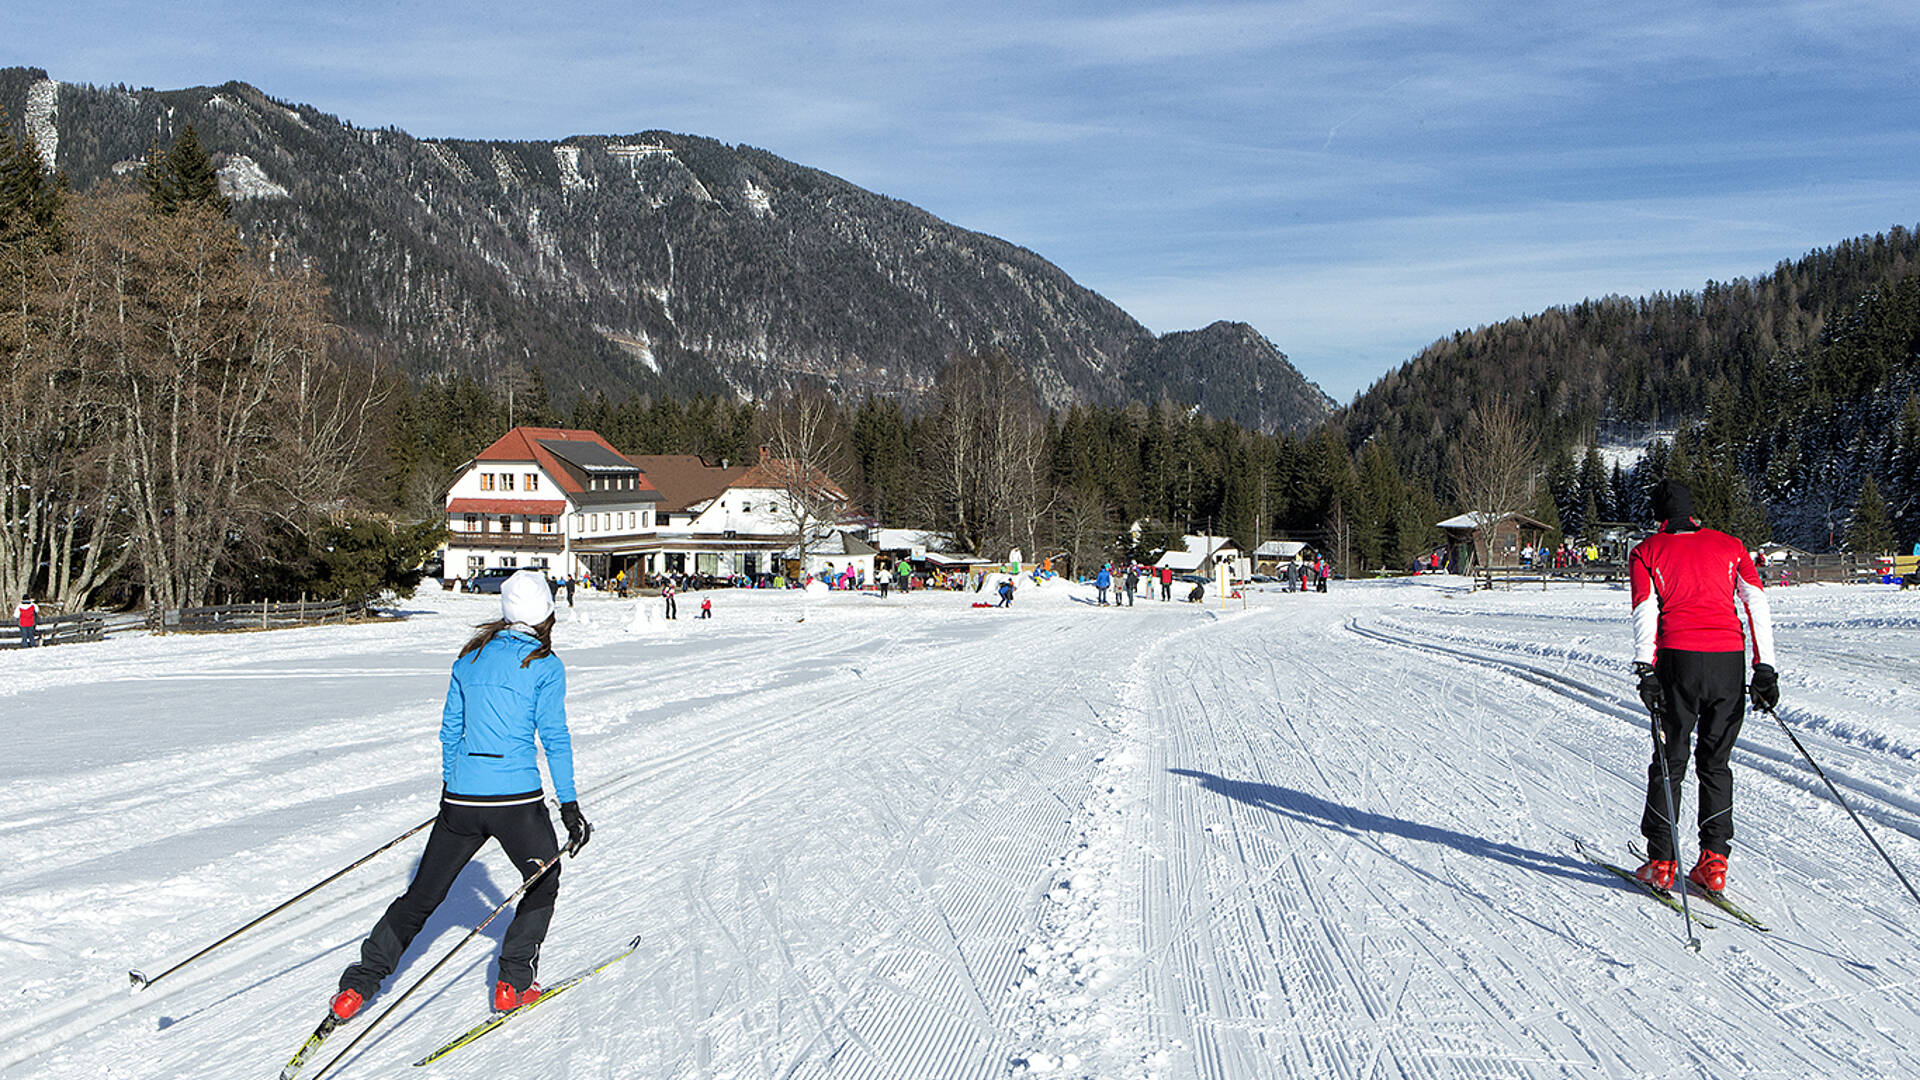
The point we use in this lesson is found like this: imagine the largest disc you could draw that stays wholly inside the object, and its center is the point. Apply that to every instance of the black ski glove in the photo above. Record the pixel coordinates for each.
(579, 829)
(1765, 689)
(1651, 693)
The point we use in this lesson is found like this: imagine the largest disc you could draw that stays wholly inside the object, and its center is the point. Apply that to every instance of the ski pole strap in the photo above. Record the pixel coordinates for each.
(1837, 797)
(417, 983)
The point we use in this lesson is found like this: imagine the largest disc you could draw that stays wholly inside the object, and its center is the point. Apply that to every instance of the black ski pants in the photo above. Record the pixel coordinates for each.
(1706, 697)
(525, 832)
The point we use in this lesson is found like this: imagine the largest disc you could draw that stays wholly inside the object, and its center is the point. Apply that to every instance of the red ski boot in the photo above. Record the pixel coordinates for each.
(507, 999)
(1710, 873)
(1658, 873)
(346, 1003)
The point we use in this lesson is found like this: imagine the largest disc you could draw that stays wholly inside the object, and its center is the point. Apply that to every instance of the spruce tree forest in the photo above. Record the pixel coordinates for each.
(181, 426)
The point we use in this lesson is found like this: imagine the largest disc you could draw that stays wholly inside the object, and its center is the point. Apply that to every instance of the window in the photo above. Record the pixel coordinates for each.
(506, 524)
(646, 519)
(509, 562)
(473, 523)
(579, 523)
(596, 523)
(540, 562)
(506, 481)
(486, 481)
(546, 523)
(533, 481)
(746, 508)
(665, 519)
(629, 519)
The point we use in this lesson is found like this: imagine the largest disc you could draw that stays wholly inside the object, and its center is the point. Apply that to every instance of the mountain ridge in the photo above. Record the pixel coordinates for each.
(652, 262)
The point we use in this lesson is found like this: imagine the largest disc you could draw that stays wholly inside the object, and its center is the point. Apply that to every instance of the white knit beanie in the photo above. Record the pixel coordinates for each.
(526, 598)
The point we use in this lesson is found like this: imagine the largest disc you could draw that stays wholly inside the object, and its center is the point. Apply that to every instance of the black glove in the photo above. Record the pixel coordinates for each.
(579, 829)
(1651, 693)
(1765, 689)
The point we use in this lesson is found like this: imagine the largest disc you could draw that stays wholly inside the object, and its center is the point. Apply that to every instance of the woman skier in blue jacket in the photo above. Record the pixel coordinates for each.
(507, 690)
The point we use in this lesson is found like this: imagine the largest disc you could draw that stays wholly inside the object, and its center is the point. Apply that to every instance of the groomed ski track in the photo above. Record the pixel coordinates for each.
(1319, 836)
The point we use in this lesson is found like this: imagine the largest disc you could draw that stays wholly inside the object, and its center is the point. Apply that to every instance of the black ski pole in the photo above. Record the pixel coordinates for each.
(1843, 803)
(1666, 786)
(141, 981)
(417, 983)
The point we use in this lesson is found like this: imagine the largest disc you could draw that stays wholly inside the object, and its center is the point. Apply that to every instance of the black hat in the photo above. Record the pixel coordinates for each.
(1672, 501)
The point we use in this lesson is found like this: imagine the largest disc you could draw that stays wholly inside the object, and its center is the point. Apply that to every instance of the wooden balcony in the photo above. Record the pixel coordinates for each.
(500, 541)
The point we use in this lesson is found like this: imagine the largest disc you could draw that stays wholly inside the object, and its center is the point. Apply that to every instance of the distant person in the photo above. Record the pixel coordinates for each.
(883, 577)
(570, 585)
(1690, 657)
(666, 593)
(508, 690)
(1006, 593)
(1104, 581)
(1133, 582)
(706, 607)
(1166, 583)
(27, 617)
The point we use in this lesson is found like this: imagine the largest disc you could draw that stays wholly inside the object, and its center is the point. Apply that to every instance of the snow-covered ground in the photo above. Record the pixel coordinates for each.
(1324, 836)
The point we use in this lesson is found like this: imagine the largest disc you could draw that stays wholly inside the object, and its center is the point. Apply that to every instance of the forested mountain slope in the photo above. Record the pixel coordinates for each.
(652, 262)
(1788, 390)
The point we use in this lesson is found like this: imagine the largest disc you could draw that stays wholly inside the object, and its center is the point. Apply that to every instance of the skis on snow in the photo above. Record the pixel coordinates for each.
(551, 992)
(1719, 900)
(1662, 895)
(299, 1059)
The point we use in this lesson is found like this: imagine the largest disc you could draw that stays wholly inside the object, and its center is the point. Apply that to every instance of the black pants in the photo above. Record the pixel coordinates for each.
(525, 832)
(1706, 692)
(672, 611)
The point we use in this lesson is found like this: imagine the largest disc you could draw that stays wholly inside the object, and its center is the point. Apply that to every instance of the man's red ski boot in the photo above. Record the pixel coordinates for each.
(1658, 873)
(346, 1003)
(507, 999)
(1710, 873)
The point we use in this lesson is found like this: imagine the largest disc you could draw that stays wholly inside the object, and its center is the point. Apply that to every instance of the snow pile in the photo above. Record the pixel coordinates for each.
(243, 178)
(43, 103)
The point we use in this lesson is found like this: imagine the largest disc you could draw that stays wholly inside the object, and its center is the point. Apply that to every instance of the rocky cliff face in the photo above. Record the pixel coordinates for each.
(652, 261)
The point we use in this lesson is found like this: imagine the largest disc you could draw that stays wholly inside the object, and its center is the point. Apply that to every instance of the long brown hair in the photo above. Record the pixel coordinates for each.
(543, 631)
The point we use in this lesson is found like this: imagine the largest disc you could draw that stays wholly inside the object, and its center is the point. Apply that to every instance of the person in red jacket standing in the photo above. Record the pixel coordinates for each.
(27, 615)
(1691, 659)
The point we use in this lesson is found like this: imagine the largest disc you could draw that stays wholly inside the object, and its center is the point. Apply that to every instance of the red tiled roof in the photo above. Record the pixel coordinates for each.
(523, 444)
(685, 480)
(773, 472)
(506, 506)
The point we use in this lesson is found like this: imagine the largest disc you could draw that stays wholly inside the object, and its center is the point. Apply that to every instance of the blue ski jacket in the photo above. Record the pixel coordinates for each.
(1104, 579)
(495, 709)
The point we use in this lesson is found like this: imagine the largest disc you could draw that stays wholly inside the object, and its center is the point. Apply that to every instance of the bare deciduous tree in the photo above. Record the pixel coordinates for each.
(1497, 465)
(802, 452)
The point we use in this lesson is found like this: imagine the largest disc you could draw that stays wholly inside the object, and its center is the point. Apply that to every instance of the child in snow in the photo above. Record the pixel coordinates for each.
(706, 607)
(507, 690)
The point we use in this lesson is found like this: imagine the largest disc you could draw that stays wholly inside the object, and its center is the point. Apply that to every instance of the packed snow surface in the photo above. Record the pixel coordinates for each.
(1299, 835)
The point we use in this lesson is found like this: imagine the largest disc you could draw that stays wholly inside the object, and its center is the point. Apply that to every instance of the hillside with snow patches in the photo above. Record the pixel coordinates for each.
(1307, 835)
(651, 261)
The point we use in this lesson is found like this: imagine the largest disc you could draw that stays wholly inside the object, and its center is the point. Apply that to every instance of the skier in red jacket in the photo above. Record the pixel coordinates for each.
(1690, 656)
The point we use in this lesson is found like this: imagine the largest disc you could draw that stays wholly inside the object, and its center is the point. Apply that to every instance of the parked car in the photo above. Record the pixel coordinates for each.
(1194, 579)
(490, 579)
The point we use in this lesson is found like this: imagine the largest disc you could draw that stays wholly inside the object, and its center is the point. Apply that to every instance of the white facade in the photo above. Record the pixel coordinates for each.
(516, 514)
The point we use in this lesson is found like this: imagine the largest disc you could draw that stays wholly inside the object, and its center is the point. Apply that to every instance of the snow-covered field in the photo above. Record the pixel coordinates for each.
(1325, 836)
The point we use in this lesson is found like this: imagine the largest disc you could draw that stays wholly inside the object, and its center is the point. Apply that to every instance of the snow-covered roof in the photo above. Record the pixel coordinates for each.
(1281, 549)
(909, 539)
(1196, 552)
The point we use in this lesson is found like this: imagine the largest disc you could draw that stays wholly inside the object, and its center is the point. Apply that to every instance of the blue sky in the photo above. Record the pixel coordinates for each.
(1353, 179)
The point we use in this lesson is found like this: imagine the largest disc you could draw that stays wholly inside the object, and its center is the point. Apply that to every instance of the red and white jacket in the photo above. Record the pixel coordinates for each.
(1685, 586)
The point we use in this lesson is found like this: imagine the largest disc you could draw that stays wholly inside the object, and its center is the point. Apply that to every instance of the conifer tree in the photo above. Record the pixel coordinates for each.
(1869, 532)
(182, 176)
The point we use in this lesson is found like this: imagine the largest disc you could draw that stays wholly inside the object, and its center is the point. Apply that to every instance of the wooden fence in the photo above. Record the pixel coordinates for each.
(97, 626)
(1842, 568)
(1506, 577)
(59, 630)
(259, 616)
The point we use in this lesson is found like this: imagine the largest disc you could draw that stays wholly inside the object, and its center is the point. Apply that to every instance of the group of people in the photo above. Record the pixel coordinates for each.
(1567, 554)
